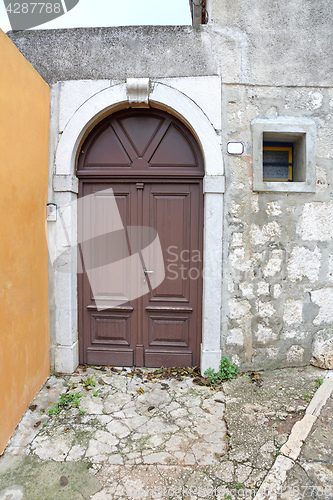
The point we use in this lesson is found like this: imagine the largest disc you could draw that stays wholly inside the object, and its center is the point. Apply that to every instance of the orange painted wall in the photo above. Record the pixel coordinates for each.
(24, 330)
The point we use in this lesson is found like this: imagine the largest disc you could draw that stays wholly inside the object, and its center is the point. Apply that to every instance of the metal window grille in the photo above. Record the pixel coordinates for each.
(277, 161)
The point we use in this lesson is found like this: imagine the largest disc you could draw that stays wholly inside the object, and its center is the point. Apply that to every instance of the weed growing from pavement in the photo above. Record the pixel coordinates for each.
(227, 371)
(66, 401)
(319, 381)
(307, 397)
(90, 382)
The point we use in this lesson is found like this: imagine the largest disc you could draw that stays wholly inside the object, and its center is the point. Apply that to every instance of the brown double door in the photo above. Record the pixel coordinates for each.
(163, 327)
(137, 316)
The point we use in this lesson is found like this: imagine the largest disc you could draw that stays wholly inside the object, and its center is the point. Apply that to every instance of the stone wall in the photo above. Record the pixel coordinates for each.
(278, 258)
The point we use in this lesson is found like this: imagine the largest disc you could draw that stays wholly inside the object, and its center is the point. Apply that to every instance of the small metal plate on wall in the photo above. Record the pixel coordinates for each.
(235, 148)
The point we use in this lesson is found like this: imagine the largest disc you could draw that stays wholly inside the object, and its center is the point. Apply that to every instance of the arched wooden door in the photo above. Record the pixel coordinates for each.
(155, 169)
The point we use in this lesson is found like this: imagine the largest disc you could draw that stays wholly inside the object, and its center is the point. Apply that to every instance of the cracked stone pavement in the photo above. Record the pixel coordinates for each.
(312, 476)
(139, 438)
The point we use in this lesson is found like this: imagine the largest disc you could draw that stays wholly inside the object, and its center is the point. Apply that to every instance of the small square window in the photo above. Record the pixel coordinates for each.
(284, 151)
(278, 161)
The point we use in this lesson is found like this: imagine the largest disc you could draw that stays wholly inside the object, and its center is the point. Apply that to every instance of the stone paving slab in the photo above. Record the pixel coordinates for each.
(135, 437)
(151, 422)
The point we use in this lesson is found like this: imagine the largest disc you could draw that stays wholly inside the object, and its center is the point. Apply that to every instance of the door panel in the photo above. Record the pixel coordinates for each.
(169, 215)
(107, 330)
(165, 331)
(104, 222)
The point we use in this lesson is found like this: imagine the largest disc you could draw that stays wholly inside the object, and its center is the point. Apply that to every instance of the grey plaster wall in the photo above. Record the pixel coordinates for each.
(264, 42)
(118, 52)
(281, 42)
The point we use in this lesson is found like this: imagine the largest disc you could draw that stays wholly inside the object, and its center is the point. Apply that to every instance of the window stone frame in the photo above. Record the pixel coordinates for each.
(298, 130)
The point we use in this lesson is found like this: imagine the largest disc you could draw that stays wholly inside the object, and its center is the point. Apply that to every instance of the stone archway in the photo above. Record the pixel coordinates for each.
(65, 188)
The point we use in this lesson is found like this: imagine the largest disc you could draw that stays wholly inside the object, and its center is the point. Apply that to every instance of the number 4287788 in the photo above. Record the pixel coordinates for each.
(34, 8)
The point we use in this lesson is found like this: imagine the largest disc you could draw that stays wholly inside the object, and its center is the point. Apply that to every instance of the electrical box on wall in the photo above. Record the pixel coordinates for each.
(51, 212)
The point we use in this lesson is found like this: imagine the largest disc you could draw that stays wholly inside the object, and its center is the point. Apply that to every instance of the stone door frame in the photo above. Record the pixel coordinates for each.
(135, 93)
